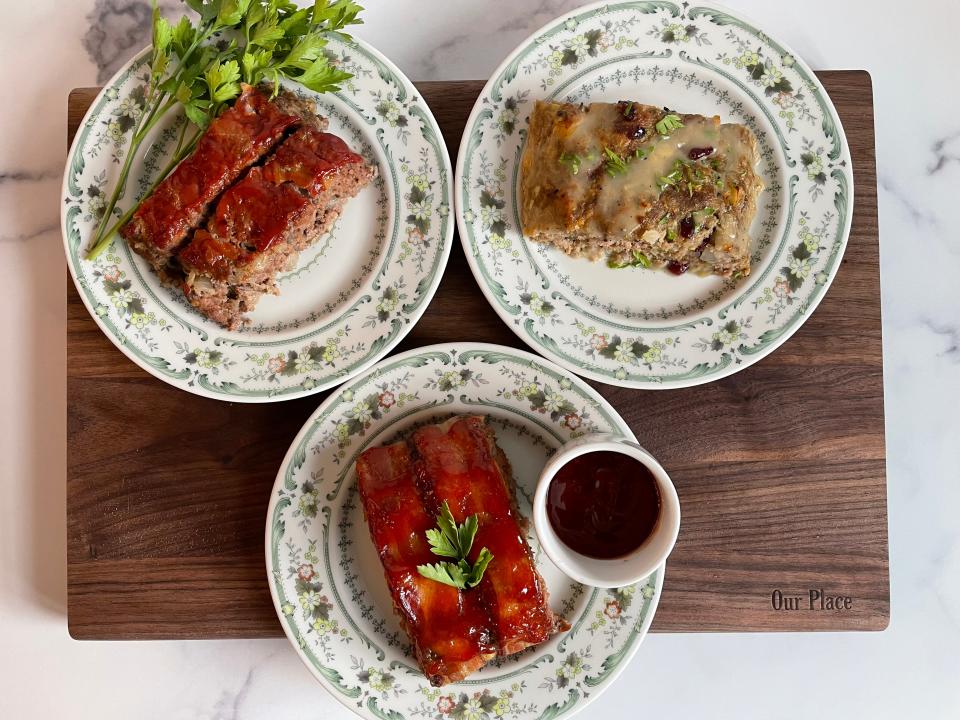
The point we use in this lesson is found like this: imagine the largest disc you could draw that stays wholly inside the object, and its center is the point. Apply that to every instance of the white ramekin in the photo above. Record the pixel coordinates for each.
(621, 571)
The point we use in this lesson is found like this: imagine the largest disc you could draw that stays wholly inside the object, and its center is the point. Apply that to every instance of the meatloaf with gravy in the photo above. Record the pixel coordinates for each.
(641, 185)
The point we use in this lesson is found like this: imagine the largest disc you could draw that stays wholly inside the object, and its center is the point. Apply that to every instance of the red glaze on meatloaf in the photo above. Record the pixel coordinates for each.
(263, 222)
(234, 141)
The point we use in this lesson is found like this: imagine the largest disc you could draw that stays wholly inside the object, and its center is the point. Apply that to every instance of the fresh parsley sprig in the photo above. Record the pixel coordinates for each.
(199, 66)
(451, 540)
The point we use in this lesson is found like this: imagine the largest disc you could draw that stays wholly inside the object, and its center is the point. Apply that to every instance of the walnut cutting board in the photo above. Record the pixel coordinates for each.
(780, 468)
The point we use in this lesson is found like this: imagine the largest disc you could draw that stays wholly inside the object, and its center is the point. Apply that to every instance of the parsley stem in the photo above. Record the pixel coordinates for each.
(183, 134)
(144, 124)
(178, 155)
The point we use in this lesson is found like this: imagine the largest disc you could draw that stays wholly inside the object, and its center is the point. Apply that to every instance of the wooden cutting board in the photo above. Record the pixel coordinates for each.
(780, 468)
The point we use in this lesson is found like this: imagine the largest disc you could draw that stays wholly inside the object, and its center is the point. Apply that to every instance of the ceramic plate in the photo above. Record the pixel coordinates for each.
(327, 582)
(646, 328)
(351, 297)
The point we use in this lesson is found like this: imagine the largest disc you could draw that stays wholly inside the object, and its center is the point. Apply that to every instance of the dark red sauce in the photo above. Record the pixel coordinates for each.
(603, 504)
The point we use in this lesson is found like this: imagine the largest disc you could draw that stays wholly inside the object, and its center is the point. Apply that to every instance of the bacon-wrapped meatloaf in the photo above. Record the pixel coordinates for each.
(403, 486)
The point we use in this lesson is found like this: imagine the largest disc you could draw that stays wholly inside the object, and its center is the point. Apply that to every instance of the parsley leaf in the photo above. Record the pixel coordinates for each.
(321, 77)
(479, 567)
(182, 36)
(222, 80)
(668, 123)
(451, 540)
(445, 572)
(616, 164)
(669, 180)
(194, 66)
(440, 544)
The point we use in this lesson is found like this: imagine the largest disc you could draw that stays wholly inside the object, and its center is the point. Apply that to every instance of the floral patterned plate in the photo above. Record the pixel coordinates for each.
(351, 298)
(646, 328)
(327, 582)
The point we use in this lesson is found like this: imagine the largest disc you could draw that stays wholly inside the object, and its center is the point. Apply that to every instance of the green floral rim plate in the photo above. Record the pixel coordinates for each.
(646, 328)
(326, 580)
(351, 298)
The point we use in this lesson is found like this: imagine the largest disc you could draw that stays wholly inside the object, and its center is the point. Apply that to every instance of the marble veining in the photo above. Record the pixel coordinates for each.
(952, 335)
(526, 18)
(908, 202)
(908, 671)
(23, 237)
(432, 61)
(230, 703)
(118, 29)
(946, 150)
(11, 176)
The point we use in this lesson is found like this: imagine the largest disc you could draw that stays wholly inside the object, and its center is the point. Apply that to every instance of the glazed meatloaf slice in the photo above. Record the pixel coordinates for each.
(402, 487)
(240, 137)
(234, 141)
(468, 471)
(262, 223)
(450, 630)
(640, 185)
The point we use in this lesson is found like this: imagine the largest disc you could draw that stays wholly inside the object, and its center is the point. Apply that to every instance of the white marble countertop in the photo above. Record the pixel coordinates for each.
(910, 670)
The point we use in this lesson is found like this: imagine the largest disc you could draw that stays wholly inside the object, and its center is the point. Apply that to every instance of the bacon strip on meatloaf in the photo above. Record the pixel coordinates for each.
(265, 220)
(450, 629)
(238, 138)
(402, 487)
(470, 472)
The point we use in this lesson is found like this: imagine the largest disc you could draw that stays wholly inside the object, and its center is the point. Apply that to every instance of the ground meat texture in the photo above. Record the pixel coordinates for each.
(263, 222)
(233, 142)
(620, 180)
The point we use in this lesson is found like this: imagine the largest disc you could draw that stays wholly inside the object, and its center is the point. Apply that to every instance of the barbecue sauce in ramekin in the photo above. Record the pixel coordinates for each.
(603, 504)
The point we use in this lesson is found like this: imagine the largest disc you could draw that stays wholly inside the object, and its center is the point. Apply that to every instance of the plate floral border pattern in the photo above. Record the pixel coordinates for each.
(328, 617)
(163, 337)
(702, 344)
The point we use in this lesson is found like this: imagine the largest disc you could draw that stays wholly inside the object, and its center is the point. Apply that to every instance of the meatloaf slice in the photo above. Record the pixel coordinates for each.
(237, 139)
(262, 223)
(641, 185)
(450, 630)
(470, 472)
(241, 135)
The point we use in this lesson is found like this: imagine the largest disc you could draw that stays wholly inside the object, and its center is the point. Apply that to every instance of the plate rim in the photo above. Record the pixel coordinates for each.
(459, 346)
(584, 372)
(266, 397)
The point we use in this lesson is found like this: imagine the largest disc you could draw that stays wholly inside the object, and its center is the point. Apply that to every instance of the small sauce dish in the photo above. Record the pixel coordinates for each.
(605, 511)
